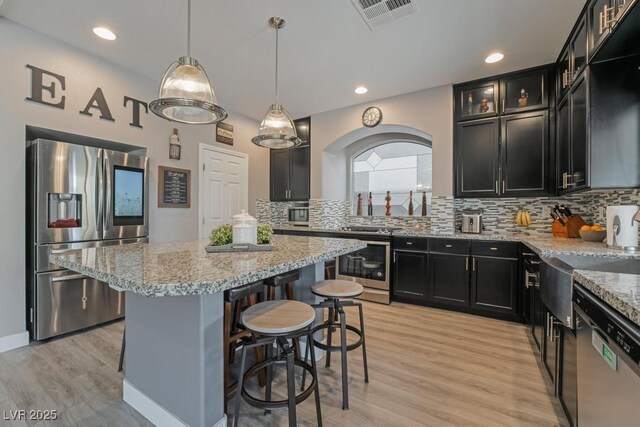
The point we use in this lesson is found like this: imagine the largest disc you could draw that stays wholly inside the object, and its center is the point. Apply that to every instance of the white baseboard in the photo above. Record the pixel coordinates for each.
(152, 411)
(14, 341)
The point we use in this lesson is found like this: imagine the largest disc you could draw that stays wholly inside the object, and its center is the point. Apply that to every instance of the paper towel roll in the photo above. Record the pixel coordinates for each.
(627, 234)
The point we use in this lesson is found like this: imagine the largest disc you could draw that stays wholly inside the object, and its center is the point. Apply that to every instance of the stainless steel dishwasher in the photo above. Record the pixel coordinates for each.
(608, 347)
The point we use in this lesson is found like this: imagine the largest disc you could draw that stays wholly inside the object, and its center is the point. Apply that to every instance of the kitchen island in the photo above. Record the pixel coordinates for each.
(174, 314)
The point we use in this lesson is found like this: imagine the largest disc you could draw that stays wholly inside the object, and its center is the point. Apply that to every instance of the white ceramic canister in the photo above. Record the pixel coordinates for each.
(622, 230)
(245, 228)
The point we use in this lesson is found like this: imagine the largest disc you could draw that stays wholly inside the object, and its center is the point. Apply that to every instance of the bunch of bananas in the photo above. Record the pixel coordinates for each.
(523, 218)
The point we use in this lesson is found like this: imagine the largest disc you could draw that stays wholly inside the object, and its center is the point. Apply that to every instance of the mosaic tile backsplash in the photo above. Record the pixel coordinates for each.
(498, 214)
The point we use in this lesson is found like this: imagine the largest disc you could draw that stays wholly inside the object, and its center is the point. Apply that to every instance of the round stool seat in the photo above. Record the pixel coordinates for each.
(278, 317)
(337, 289)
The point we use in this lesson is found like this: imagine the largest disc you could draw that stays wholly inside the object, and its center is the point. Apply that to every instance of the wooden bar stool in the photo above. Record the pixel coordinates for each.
(287, 280)
(234, 331)
(276, 322)
(334, 292)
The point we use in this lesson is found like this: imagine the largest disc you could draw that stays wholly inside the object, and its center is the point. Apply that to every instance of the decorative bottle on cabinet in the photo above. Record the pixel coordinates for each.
(370, 205)
(359, 208)
(388, 205)
(410, 203)
(424, 203)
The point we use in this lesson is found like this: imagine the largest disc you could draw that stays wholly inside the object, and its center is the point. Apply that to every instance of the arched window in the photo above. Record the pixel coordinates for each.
(398, 167)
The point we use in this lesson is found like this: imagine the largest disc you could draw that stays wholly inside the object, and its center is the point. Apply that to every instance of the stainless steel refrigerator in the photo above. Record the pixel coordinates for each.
(78, 197)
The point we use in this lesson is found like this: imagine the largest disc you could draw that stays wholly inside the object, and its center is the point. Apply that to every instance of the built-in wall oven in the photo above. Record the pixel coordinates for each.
(369, 266)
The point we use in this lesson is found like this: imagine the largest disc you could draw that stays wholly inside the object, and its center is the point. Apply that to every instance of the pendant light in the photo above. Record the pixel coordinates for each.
(185, 94)
(277, 129)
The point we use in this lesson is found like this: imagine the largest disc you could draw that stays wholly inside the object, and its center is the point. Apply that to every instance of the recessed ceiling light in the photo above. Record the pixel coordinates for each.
(361, 90)
(494, 57)
(104, 33)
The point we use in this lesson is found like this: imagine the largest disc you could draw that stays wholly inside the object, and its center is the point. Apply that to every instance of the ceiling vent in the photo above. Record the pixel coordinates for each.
(377, 13)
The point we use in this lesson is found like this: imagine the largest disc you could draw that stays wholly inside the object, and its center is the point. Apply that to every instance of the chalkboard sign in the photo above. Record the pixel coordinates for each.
(174, 187)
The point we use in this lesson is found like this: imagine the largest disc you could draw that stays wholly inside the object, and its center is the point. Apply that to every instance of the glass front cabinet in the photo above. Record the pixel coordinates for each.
(477, 100)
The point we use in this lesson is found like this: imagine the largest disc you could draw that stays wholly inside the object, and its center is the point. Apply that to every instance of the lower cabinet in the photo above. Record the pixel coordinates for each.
(479, 277)
(410, 274)
(492, 284)
(449, 278)
(568, 376)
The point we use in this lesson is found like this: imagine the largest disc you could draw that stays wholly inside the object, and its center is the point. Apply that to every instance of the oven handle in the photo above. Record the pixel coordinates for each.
(369, 242)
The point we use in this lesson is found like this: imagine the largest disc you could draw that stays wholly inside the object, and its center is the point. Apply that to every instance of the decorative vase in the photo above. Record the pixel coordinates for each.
(470, 104)
(523, 101)
(410, 203)
(359, 208)
(424, 203)
(370, 205)
(484, 105)
(388, 205)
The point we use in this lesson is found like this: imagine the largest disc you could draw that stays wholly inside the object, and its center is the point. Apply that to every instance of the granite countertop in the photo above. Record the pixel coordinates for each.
(185, 268)
(620, 291)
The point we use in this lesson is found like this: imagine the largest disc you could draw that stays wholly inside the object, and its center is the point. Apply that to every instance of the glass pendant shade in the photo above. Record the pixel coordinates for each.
(186, 95)
(277, 130)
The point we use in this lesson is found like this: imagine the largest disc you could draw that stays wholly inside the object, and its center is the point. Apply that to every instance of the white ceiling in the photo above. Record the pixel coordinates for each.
(326, 50)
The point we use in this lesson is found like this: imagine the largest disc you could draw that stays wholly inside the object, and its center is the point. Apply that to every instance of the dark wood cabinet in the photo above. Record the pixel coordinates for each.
(410, 274)
(573, 137)
(477, 100)
(600, 14)
(579, 177)
(449, 278)
(525, 148)
(477, 155)
(568, 374)
(524, 91)
(290, 169)
(507, 155)
(492, 284)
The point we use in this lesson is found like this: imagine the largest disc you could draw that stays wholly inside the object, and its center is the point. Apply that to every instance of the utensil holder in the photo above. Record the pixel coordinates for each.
(571, 229)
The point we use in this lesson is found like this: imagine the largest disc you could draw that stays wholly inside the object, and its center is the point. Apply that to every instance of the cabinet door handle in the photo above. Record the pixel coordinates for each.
(504, 186)
(467, 264)
(448, 246)
(473, 264)
(497, 187)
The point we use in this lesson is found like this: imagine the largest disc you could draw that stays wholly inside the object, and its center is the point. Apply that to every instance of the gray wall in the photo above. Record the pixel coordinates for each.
(428, 111)
(84, 72)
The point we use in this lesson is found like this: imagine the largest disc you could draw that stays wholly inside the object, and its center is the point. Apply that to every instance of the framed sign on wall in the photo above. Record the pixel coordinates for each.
(224, 133)
(174, 187)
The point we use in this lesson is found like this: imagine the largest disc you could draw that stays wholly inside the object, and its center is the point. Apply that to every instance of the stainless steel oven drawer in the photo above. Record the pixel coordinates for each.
(67, 301)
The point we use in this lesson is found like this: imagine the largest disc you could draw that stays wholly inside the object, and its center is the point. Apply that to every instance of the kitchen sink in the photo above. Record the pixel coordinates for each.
(610, 265)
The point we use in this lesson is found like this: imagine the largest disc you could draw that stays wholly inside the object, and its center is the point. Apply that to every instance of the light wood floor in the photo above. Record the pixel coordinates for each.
(447, 369)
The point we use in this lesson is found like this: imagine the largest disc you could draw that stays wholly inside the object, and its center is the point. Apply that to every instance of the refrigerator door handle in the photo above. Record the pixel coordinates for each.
(100, 202)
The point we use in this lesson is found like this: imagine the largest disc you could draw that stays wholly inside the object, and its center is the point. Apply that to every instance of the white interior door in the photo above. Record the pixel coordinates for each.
(224, 187)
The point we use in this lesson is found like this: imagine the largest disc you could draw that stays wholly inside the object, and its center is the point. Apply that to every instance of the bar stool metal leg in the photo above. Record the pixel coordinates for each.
(314, 365)
(291, 384)
(364, 345)
(122, 348)
(329, 333)
(343, 354)
(236, 410)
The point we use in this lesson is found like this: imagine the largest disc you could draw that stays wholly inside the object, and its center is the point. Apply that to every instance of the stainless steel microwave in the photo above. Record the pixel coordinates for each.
(299, 214)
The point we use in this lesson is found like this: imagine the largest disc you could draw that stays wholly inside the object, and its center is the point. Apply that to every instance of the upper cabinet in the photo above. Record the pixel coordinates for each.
(598, 107)
(504, 151)
(613, 27)
(290, 168)
(573, 59)
(524, 92)
(476, 101)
